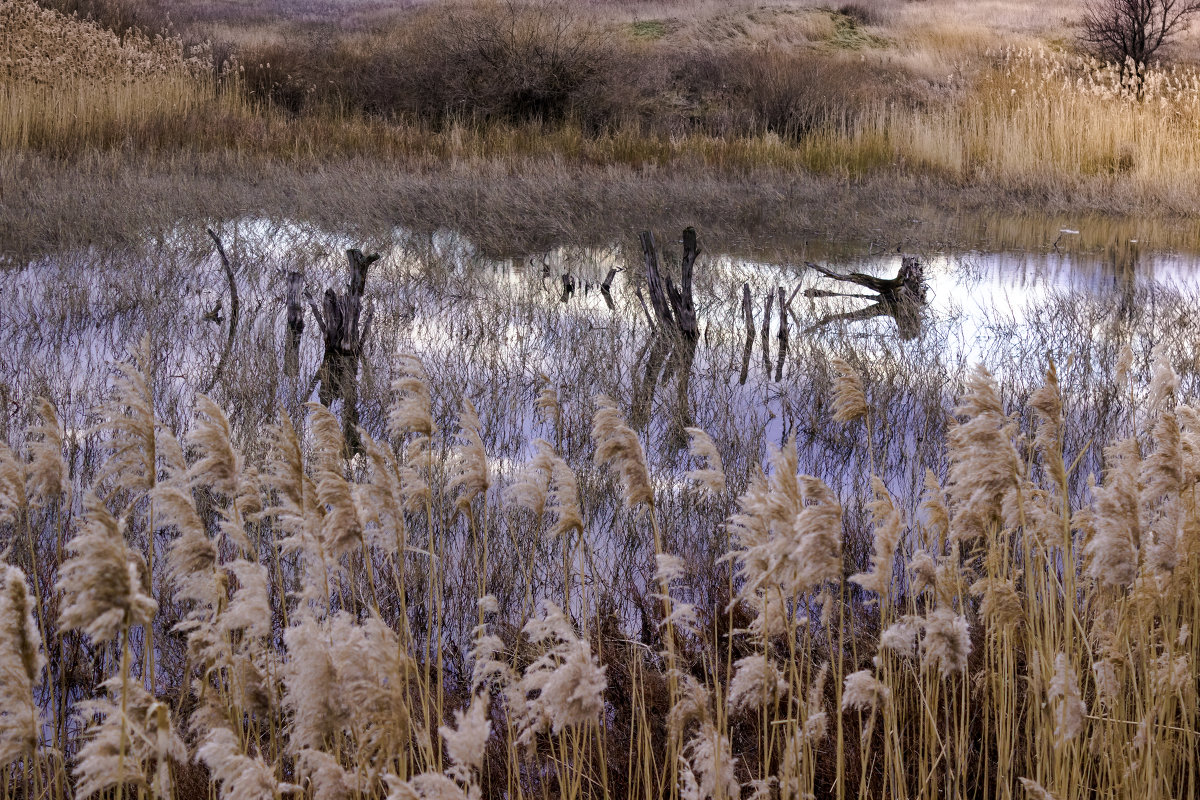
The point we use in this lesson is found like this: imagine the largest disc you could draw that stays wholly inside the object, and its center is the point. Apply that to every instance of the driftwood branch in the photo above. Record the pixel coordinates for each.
(909, 283)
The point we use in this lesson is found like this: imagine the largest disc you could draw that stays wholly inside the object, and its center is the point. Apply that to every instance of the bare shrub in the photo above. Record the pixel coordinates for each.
(791, 94)
(508, 62)
(863, 13)
(1134, 30)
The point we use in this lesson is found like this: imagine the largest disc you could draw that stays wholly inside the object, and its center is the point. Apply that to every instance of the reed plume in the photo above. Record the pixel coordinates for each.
(756, 682)
(946, 642)
(1112, 552)
(104, 583)
(128, 421)
(984, 465)
(711, 476)
(888, 528)
(21, 663)
(134, 742)
(617, 446)
(411, 411)
(12, 485)
(239, 776)
(1070, 713)
(563, 687)
(863, 691)
(470, 475)
(341, 530)
(849, 398)
(46, 475)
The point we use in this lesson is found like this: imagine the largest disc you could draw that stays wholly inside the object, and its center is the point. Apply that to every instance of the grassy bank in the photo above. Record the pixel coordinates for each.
(857, 98)
(530, 205)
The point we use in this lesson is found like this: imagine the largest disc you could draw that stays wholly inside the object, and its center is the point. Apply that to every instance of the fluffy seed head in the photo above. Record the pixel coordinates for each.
(618, 447)
(1069, 709)
(864, 692)
(411, 411)
(946, 644)
(711, 476)
(849, 399)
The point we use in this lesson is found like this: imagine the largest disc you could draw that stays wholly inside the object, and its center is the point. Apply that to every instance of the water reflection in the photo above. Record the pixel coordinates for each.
(487, 327)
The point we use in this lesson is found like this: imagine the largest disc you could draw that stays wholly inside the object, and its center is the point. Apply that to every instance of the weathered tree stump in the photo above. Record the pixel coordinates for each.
(907, 286)
(295, 323)
(339, 318)
(768, 306)
(606, 288)
(673, 305)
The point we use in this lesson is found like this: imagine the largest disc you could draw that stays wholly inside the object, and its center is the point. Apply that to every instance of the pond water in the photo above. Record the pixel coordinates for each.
(495, 330)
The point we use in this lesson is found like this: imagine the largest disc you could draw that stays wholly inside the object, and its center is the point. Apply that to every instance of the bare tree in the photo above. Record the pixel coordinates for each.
(1133, 30)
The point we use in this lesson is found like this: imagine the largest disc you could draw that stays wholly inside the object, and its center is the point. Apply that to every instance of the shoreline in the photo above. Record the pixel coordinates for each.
(530, 205)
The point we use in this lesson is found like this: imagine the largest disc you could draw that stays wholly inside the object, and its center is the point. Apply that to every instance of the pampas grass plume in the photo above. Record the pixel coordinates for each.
(46, 475)
(711, 476)
(849, 399)
(21, 663)
(1069, 709)
(411, 411)
(947, 642)
(102, 581)
(618, 447)
(863, 691)
(469, 472)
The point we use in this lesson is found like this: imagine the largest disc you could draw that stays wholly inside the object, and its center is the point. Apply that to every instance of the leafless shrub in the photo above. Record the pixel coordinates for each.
(1134, 30)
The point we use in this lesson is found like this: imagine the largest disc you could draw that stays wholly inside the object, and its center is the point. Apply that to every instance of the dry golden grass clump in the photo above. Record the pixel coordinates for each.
(67, 82)
(44, 47)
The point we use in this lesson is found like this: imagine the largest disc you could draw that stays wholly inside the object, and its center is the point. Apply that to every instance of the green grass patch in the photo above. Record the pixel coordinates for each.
(848, 33)
(649, 29)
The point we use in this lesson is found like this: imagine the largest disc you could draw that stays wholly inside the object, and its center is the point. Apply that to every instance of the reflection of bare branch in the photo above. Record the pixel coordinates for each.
(906, 314)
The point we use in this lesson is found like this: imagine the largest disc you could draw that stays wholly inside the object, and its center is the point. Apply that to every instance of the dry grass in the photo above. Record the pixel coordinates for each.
(729, 89)
(68, 84)
(236, 610)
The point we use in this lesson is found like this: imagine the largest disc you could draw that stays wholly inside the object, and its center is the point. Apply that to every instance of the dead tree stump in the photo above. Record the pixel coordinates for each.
(907, 286)
(673, 305)
(901, 297)
(339, 318)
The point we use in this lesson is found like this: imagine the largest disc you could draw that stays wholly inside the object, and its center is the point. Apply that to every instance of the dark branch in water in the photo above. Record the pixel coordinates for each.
(234, 308)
